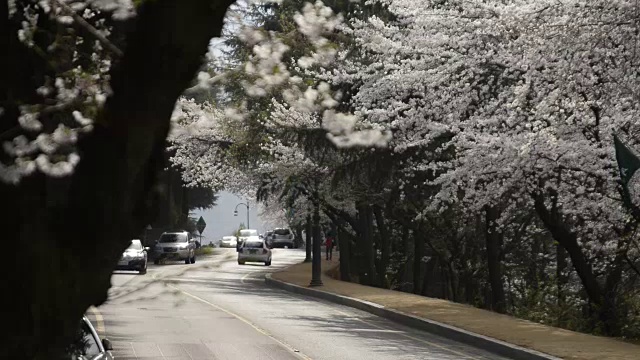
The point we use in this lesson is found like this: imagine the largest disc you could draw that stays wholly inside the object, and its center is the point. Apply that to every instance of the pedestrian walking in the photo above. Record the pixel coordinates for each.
(328, 243)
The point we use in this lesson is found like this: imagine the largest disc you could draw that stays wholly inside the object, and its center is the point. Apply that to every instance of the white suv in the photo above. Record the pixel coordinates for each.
(175, 245)
(281, 238)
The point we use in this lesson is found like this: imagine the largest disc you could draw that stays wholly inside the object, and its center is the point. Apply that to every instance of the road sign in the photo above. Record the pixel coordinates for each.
(200, 225)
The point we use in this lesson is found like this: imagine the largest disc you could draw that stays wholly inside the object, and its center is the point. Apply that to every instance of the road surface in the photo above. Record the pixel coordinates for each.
(217, 309)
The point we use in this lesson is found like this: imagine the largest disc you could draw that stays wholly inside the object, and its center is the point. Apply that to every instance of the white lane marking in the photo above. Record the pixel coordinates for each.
(295, 351)
(99, 320)
(245, 277)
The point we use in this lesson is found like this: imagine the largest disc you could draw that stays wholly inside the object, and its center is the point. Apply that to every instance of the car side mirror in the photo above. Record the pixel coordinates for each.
(106, 343)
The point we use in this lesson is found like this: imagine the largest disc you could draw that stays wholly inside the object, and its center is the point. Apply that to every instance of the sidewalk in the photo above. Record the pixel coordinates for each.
(561, 343)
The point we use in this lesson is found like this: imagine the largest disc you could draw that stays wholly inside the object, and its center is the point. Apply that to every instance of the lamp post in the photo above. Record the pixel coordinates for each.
(235, 212)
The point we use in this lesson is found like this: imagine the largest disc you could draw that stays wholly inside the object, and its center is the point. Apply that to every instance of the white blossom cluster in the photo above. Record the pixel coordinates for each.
(270, 73)
(49, 129)
(525, 95)
(198, 140)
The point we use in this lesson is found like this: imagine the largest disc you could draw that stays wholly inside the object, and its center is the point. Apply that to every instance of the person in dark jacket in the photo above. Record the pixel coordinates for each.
(329, 243)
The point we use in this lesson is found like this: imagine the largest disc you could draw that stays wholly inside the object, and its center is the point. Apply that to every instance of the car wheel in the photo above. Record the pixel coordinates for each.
(240, 262)
(193, 259)
(267, 263)
(187, 260)
(143, 270)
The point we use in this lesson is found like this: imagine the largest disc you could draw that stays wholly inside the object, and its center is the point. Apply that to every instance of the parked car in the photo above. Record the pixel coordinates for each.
(89, 346)
(282, 238)
(176, 245)
(228, 242)
(254, 250)
(134, 258)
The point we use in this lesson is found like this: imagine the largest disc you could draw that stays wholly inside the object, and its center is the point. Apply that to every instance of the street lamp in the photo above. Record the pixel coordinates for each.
(235, 212)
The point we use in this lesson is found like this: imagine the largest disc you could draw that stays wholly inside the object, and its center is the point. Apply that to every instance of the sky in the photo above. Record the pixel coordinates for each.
(220, 220)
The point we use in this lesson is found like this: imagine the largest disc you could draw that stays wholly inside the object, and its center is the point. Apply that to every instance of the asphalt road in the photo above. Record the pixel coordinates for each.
(217, 309)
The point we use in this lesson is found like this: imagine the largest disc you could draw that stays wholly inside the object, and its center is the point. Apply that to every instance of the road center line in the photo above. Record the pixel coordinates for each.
(254, 326)
(99, 320)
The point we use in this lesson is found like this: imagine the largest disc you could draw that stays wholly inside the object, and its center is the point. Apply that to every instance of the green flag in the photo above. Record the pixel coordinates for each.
(628, 163)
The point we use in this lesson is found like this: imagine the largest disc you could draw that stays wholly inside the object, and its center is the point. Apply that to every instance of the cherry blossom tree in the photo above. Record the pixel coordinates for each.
(86, 101)
(525, 95)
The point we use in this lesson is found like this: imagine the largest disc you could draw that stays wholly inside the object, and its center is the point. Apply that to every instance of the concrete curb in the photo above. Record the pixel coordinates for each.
(450, 332)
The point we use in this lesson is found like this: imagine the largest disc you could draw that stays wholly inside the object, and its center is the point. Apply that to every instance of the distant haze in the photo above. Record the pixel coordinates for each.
(220, 220)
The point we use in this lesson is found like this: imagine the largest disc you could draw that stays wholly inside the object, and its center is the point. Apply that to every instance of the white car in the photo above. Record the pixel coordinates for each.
(228, 242)
(254, 249)
(245, 235)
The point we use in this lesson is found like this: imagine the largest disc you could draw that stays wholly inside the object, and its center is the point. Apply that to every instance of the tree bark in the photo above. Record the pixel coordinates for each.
(308, 243)
(316, 260)
(418, 254)
(367, 273)
(72, 231)
(345, 254)
(561, 277)
(493, 240)
(385, 246)
(569, 241)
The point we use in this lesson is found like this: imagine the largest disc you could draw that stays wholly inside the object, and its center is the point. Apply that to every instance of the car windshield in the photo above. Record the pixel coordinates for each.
(171, 238)
(135, 245)
(248, 233)
(253, 244)
(282, 232)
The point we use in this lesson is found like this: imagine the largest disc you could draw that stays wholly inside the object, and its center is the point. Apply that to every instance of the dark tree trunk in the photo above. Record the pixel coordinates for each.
(73, 230)
(600, 304)
(385, 246)
(561, 274)
(308, 244)
(316, 259)
(418, 264)
(345, 254)
(407, 277)
(493, 239)
(367, 273)
(297, 230)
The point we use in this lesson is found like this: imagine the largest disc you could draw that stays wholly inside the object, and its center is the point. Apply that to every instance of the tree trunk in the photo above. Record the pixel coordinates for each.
(297, 230)
(72, 231)
(418, 254)
(407, 277)
(385, 246)
(343, 241)
(568, 240)
(367, 273)
(493, 239)
(308, 244)
(316, 259)
(561, 274)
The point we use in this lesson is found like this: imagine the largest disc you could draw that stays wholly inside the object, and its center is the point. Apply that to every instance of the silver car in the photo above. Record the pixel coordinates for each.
(175, 245)
(228, 242)
(134, 258)
(254, 249)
